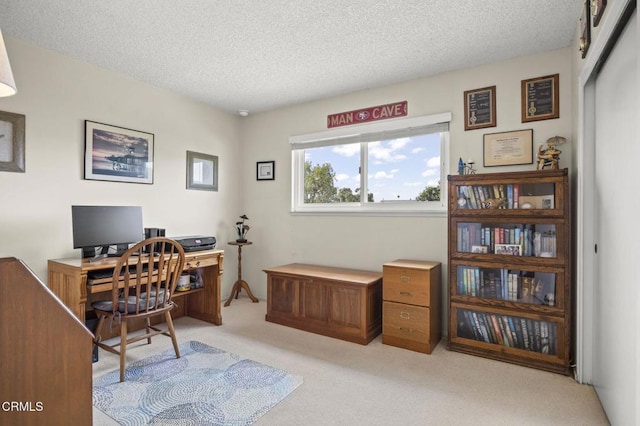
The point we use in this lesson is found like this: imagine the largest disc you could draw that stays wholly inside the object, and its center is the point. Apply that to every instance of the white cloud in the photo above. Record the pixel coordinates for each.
(383, 175)
(388, 153)
(413, 184)
(342, 176)
(433, 162)
(397, 144)
(417, 150)
(430, 172)
(348, 150)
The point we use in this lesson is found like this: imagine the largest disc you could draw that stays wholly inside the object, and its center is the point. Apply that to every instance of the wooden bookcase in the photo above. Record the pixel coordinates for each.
(510, 267)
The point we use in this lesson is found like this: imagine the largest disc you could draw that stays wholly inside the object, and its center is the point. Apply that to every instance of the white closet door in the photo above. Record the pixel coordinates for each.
(617, 218)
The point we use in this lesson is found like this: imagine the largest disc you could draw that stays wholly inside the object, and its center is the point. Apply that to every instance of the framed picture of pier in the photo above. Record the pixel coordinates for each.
(117, 154)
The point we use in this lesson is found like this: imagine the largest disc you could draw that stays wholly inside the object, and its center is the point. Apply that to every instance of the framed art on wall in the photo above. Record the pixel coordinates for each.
(12, 128)
(266, 170)
(597, 9)
(585, 29)
(508, 148)
(540, 98)
(202, 171)
(117, 154)
(480, 108)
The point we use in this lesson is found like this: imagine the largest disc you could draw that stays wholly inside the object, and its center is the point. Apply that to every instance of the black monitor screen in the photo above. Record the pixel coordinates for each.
(102, 226)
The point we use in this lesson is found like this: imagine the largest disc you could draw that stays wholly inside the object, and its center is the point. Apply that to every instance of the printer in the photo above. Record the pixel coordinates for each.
(196, 242)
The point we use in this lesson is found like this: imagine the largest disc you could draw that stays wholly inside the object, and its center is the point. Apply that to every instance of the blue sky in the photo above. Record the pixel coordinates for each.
(399, 169)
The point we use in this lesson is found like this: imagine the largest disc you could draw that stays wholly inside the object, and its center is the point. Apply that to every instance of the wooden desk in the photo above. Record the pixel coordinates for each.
(68, 280)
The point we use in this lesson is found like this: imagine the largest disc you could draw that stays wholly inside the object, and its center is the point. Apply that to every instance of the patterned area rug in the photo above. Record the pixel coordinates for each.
(205, 386)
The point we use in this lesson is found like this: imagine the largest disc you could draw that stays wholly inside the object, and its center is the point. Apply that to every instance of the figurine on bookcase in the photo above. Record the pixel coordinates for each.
(549, 155)
(466, 168)
(242, 229)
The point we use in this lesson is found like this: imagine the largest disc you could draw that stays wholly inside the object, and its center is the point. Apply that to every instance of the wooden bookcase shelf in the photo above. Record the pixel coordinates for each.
(510, 267)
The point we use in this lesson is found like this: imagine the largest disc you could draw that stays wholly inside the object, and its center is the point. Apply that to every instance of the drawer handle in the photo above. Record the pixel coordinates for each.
(406, 330)
(405, 278)
(190, 266)
(405, 315)
(406, 293)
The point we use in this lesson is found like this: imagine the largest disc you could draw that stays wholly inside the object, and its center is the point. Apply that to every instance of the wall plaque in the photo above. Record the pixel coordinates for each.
(540, 98)
(480, 108)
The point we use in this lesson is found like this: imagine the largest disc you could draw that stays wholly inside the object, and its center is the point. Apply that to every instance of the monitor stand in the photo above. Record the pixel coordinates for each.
(120, 250)
(97, 253)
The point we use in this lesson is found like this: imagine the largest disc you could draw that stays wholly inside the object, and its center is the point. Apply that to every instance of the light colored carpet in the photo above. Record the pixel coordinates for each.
(205, 386)
(376, 384)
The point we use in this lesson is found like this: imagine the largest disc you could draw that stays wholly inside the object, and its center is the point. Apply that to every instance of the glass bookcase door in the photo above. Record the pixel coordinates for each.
(510, 196)
(531, 287)
(538, 240)
(512, 331)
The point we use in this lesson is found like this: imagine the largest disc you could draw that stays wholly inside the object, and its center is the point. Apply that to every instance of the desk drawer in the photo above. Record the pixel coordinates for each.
(406, 285)
(193, 261)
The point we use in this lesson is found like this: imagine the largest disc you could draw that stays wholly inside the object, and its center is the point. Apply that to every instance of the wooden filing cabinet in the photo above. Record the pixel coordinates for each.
(411, 306)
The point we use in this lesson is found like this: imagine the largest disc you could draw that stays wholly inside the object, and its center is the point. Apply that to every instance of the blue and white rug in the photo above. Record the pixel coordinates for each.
(205, 386)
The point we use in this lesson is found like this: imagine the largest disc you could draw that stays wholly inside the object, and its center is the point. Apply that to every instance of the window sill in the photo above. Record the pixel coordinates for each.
(371, 212)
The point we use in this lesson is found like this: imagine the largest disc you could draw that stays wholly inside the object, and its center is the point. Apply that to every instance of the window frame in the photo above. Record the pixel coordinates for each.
(362, 134)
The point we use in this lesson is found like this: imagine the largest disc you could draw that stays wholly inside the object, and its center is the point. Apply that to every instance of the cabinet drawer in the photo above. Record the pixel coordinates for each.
(405, 322)
(200, 261)
(406, 285)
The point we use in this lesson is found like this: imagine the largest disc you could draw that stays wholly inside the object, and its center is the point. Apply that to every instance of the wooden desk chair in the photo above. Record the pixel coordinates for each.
(144, 281)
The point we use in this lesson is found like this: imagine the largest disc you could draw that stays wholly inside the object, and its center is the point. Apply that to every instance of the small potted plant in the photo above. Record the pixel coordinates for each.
(242, 229)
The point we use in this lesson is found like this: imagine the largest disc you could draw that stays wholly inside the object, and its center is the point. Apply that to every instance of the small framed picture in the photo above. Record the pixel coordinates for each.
(479, 249)
(265, 170)
(202, 171)
(508, 249)
(12, 142)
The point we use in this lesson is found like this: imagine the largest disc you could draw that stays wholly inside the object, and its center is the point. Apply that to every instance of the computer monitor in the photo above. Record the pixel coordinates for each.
(96, 228)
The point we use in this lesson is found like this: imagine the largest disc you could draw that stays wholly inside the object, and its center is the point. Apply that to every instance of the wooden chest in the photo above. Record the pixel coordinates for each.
(335, 302)
(411, 313)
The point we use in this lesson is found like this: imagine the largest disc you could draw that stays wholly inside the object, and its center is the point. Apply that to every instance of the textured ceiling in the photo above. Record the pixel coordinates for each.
(261, 55)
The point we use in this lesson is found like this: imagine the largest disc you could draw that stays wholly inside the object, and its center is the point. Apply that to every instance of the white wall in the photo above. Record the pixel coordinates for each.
(57, 93)
(366, 242)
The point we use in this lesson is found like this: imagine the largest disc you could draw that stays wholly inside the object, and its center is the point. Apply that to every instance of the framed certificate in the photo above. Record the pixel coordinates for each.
(480, 108)
(508, 148)
(540, 98)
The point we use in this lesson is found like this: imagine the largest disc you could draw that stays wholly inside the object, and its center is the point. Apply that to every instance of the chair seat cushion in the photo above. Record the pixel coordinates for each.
(129, 305)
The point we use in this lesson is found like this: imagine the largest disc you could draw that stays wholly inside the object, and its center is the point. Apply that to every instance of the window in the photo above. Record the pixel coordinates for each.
(399, 166)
